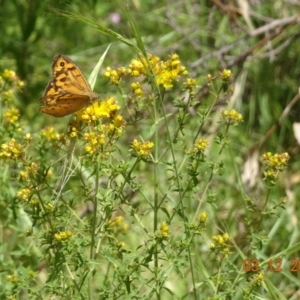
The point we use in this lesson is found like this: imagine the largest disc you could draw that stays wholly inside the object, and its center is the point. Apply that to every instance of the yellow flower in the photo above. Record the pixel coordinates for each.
(125, 227)
(277, 161)
(9, 75)
(209, 78)
(49, 206)
(33, 201)
(106, 108)
(122, 244)
(12, 150)
(94, 140)
(24, 194)
(221, 240)
(225, 251)
(12, 278)
(62, 236)
(200, 145)
(50, 134)
(20, 84)
(136, 68)
(73, 132)
(30, 170)
(116, 221)
(27, 137)
(226, 75)
(119, 121)
(137, 89)
(232, 117)
(226, 236)
(12, 115)
(23, 175)
(190, 83)
(8, 95)
(114, 76)
(164, 230)
(257, 279)
(164, 71)
(203, 217)
(142, 148)
(32, 273)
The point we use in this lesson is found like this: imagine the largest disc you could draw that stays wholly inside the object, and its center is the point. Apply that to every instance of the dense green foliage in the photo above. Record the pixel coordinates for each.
(184, 186)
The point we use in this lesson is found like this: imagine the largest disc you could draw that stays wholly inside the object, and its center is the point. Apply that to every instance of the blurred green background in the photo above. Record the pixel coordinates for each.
(257, 40)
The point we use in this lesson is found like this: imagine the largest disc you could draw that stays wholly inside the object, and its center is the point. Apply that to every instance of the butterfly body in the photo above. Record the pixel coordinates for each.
(68, 91)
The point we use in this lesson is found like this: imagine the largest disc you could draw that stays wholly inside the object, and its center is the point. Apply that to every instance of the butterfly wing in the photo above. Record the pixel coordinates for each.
(68, 91)
(60, 105)
(67, 78)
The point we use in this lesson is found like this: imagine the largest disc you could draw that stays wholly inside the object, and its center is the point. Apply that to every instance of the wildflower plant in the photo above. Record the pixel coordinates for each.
(124, 200)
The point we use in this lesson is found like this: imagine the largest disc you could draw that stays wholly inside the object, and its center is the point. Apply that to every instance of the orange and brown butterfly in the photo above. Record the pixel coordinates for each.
(68, 91)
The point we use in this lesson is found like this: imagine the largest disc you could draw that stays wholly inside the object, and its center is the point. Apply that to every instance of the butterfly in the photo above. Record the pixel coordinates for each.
(68, 91)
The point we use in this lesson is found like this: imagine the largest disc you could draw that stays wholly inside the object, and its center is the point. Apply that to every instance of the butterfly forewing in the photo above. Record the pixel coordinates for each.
(68, 91)
(70, 77)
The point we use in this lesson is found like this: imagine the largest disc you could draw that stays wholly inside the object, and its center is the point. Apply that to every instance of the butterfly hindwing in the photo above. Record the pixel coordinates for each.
(62, 105)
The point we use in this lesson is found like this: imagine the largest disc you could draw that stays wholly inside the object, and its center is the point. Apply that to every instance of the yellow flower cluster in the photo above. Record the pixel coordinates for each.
(274, 163)
(12, 150)
(62, 236)
(10, 76)
(12, 278)
(73, 132)
(190, 83)
(226, 75)
(106, 108)
(101, 134)
(221, 243)
(33, 201)
(24, 194)
(221, 239)
(257, 279)
(232, 117)
(94, 140)
(111, 125)
(30, 170)
(118, 223)
(27, 137)
(200, 145)
(118, 123)
(50, 134)
(114, 75)
(142, 148)
(122, 245)
(164, 71)
(203, 217)
(137, 67)
(167, 71)
(137, 89)
(164, 231)
(7, 96)
(12, 115)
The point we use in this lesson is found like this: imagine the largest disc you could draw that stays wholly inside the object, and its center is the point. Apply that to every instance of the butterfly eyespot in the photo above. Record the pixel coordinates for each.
(62, 64)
